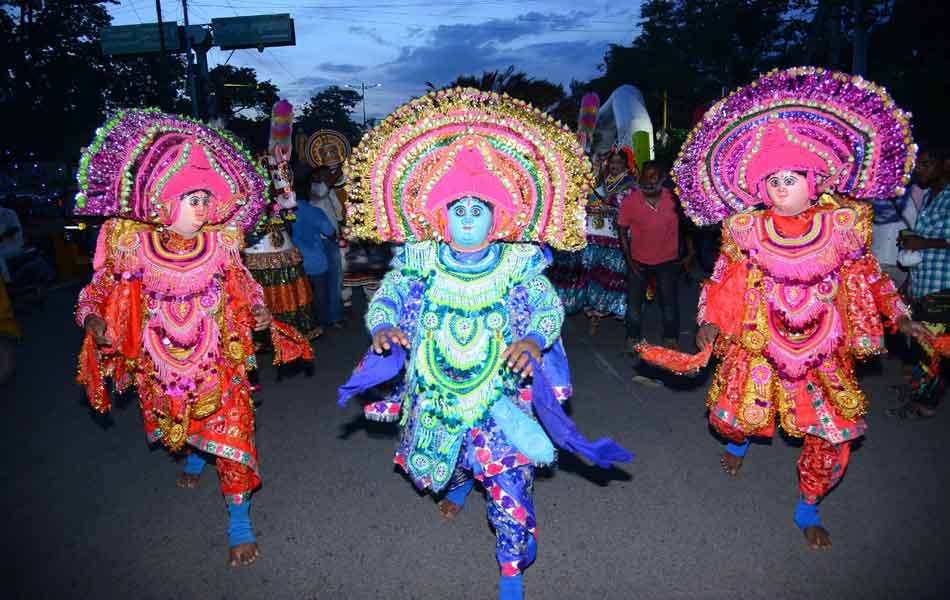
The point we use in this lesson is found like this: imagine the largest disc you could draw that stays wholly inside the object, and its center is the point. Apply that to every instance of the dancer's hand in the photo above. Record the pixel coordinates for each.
(519, 353)
(385, 338)
(706, 336)
(916, 330)
(262, 317)
(97, 327)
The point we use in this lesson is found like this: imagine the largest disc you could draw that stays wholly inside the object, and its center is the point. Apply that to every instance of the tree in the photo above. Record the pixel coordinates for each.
(540, 93)
(152, 81)
(53, 77)
(698, 49)
(56, 87)
(332, 109)
(913, 61)
(245, 96)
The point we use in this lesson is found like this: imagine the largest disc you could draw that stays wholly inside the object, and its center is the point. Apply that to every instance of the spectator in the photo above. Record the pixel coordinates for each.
(315, 235)
(930, 278)
(650, 235)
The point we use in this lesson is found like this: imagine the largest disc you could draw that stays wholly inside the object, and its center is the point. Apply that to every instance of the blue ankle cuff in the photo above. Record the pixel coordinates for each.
(194, 463)
(738, 449)
(510, 587)
(806, 515)
(458, 495)
(239, 531)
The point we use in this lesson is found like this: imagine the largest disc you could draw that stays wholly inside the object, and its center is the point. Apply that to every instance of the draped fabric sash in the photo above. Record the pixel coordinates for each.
(375, 369)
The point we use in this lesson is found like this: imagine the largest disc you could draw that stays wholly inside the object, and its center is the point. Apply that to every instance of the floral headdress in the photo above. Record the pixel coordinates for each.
(843, 131)
(466, 142)
(142, 161)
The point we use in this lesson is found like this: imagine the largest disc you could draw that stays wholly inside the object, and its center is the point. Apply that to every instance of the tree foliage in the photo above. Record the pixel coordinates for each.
(540, 93)
(244, 96)
(331, 108)
(699, 50)
(56, 86)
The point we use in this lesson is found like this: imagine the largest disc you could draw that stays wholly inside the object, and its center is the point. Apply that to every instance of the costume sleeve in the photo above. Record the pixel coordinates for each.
(241, 284)
(386, 307)
(886, 299)
(252, 291)
(721, 297)
(92, 298)
(546, 313)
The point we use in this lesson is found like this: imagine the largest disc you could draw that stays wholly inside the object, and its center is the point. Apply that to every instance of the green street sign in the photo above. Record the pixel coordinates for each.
(259, 31)
(139, 39)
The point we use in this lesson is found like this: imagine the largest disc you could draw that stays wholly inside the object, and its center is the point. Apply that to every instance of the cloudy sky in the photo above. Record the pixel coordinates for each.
(401, 45)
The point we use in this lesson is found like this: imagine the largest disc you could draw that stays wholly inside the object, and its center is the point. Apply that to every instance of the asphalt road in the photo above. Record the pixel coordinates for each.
(93, 512)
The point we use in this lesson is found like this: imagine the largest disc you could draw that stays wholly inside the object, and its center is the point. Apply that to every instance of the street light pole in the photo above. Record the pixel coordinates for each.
(363, 95)
(362, 89)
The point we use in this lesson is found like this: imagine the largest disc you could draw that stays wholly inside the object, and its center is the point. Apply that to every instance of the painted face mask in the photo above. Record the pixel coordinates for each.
(470, 222)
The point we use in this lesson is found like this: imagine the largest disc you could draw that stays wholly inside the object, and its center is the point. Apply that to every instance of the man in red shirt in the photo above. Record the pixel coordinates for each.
(649, 236)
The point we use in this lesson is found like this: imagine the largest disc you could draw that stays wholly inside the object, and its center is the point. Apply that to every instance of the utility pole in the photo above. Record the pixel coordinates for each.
(161, 27)
(362, 89)
(191, 67)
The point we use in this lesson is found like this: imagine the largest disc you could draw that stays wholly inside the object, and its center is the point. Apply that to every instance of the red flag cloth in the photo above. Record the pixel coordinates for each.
(289, 345)
(671, 360)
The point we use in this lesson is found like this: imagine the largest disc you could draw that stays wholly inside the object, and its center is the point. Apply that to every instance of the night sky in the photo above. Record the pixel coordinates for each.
(401, 45)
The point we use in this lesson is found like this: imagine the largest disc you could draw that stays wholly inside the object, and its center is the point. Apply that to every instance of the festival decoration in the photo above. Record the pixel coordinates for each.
(843, 130)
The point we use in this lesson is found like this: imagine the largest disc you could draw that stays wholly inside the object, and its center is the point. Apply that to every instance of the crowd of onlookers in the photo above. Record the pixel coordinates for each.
(912, 244)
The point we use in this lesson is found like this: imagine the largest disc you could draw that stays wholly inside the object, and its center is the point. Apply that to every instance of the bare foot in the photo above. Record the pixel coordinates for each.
(187, 481)
(817, 537)
(243, 554)
(448, 509)
(730, 463)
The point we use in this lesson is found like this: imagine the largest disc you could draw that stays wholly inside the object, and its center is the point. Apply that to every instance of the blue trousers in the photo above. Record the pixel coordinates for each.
(510, 511)
(328, 287)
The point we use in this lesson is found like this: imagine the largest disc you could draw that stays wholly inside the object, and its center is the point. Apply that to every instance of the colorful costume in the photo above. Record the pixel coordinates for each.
(595, 278)
(463, 413)
(178, 310)
(797, 299)
(271, 257)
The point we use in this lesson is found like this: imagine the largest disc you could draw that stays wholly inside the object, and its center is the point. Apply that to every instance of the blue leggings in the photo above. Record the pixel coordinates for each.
(239, 528)
(510, 512)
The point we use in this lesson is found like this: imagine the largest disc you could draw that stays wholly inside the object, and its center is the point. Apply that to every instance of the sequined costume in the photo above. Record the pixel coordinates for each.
(179, 315)
(462, 317)
(796, 299)
(270, 255)
(178, 310)
(277, 265)
(595, 279)
(463, 413)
